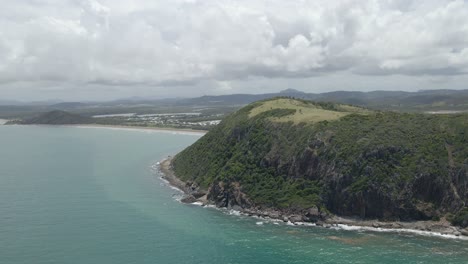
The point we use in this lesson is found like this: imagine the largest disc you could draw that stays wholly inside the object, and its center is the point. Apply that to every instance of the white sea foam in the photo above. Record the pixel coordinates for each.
(397, 230)
(167, 183)
(344, 227)
(304, 224)
(177, 189)
(234, 212)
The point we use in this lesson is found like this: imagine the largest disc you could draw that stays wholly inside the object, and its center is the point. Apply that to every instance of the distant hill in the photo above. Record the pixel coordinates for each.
(421, 101)
(68, 105)
(313, 159)
(384, 100)
(57, 117)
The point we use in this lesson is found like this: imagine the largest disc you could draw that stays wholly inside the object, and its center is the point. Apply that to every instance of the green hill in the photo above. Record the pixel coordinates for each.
(301, 157)
(57, 117)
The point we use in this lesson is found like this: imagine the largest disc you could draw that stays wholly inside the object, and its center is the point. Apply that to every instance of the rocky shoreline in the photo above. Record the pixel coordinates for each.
(194, 194)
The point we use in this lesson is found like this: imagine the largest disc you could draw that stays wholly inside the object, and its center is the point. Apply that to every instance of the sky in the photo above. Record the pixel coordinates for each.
(109, 49)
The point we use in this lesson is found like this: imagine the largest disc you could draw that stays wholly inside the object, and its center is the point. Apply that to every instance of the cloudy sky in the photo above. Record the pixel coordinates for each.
(107, 49)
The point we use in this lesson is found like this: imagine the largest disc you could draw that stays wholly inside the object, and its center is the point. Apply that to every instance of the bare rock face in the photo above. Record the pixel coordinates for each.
(189, 199)
(464, 232)
(314, 214)
(295, 218)
(425, 197)
(228, 195)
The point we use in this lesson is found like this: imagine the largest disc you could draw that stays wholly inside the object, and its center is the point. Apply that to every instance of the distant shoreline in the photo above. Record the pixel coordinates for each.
(156, 129)
(161, 129)
(427, 228)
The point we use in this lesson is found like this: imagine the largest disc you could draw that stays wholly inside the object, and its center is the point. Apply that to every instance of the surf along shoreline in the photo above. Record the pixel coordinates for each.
(121, 127)
(441, 228)
(156, 129)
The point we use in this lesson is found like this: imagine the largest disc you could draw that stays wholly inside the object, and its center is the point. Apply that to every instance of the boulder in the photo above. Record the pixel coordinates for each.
(295, 218)
(188, 199)
(464, 232)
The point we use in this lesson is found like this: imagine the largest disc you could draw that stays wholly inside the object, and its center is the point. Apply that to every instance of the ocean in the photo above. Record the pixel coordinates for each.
(93, 195)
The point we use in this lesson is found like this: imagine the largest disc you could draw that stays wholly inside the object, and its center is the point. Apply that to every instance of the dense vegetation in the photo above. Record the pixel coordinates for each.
(370, 164)
(56, 117)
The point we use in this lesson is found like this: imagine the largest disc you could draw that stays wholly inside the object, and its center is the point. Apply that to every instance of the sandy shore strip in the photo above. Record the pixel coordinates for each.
(141, 128)
(440, 228)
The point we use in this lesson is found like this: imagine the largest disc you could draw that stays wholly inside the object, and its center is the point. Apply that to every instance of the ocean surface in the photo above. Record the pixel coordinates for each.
(92, 195)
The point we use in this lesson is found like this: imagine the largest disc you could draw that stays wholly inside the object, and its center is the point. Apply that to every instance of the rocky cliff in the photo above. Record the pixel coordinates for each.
(318, 159)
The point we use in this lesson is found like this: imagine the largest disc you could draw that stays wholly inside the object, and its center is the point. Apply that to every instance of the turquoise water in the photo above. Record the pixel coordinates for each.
(87, 195)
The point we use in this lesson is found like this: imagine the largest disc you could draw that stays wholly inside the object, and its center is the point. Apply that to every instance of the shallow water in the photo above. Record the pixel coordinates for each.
(90, 195)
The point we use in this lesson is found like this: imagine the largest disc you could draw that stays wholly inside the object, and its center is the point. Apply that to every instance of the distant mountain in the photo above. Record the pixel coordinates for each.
(291, 91)
(68, 105)
(241, 99)
(388, 100)
(232, 99)
(421, 101)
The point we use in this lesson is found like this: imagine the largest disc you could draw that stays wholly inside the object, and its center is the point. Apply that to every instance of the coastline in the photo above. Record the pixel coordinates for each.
(440, 228)
(169, 175)
(141, 128)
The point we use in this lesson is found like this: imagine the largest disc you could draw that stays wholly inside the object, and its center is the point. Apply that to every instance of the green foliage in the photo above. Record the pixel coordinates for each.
(461, 218)
(57, 117)
(293, 166)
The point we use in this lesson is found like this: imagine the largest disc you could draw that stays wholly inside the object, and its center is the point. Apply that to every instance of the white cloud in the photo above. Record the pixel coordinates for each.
(175, 42)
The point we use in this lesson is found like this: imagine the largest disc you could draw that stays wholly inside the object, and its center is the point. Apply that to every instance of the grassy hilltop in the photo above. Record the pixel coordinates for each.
(295, 155)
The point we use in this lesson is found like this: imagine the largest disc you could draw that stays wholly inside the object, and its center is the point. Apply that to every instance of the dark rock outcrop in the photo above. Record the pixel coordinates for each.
(228, 195)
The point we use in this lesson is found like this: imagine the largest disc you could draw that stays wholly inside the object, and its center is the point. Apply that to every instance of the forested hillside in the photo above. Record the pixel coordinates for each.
(295, 155)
